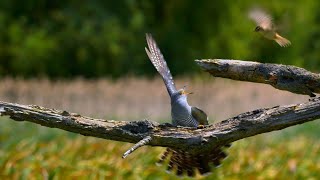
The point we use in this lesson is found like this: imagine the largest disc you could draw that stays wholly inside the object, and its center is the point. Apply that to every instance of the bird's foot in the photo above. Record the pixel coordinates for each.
(200, 126)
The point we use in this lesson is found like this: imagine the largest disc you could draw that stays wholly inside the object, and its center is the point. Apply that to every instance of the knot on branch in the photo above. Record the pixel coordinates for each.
(139, 127)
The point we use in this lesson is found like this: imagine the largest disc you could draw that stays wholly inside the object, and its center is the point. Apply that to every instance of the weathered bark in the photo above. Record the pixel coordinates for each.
(283, 77)
(188, 139)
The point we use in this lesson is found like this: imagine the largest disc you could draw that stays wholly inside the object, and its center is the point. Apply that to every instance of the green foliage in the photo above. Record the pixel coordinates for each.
(29, 151)
(106, 38)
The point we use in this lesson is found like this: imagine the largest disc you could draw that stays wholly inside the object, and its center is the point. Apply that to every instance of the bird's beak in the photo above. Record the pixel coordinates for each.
(187, 93)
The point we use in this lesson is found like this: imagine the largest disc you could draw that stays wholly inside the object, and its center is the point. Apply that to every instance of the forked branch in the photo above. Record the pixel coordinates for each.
(189, 139)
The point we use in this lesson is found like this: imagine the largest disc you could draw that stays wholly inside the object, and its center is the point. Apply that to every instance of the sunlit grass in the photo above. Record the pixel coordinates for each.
(29, 151)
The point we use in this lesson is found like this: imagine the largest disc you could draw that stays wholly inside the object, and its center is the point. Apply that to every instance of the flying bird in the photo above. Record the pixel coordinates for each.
(182, 114)
(266, 27)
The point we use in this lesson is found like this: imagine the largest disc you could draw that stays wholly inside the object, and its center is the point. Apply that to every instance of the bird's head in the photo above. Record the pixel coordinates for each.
(258, 28)
(183, 92)
(180, 95)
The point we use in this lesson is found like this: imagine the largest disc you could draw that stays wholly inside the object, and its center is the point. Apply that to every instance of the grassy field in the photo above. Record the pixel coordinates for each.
(29, 151)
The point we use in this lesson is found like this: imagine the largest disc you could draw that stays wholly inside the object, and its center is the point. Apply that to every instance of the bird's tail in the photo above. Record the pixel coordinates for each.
(283, 42)
(185, 163)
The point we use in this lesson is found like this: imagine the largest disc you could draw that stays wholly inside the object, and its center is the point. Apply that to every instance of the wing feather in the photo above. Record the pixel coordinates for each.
(261, 18)
(160, 64)
(199, 115)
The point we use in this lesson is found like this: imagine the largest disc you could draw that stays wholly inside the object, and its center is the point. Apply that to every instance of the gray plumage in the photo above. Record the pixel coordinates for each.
(181, 111)
(182, 115)
(160, 64)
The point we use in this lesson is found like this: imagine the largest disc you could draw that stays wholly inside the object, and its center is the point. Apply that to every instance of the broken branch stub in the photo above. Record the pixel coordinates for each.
(284, 77)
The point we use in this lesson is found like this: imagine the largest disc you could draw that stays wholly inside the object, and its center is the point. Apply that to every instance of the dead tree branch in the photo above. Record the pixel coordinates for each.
(283, 77)
(189, 139)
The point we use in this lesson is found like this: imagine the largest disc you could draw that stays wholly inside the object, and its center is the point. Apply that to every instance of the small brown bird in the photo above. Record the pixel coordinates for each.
(266, 27)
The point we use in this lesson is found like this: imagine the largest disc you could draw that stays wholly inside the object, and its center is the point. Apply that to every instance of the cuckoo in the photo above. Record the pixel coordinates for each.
(182, 115)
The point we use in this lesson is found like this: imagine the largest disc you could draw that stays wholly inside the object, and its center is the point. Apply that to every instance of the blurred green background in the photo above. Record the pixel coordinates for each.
(64, 39)
(100, 41)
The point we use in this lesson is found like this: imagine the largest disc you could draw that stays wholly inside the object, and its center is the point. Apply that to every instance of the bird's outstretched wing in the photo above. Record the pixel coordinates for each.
(261, 18)
(160, 64)
(199, 115)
